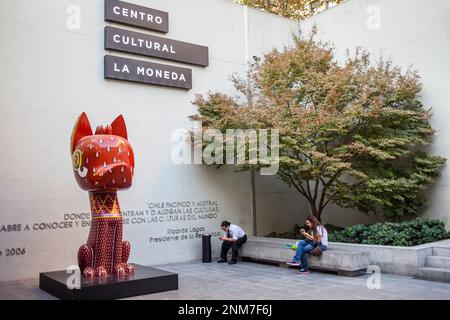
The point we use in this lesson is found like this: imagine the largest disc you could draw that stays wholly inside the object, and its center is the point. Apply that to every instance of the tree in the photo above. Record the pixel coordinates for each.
(295, 9)
(350, 134)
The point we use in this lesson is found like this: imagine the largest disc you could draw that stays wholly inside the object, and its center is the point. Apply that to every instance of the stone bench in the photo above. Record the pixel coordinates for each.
(270, 250)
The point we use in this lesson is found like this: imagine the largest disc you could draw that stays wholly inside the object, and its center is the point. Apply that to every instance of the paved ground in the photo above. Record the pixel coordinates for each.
(257, 281)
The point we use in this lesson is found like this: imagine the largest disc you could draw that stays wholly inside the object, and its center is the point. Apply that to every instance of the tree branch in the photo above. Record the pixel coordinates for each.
(299, 188)
(308, 189)
(316, 189)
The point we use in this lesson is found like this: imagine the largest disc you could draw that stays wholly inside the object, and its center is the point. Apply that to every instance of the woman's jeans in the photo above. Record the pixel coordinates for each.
(304, 248)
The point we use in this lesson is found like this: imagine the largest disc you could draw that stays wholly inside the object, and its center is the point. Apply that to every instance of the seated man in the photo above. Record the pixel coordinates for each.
(234, 237)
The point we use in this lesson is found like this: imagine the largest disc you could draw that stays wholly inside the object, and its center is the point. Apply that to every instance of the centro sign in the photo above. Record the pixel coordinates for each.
(148, 45)
(136, 16)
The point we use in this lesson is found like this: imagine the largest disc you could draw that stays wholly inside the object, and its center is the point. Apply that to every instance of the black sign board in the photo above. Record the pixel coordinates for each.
(125, 69)
(157, 47)
(136, 16)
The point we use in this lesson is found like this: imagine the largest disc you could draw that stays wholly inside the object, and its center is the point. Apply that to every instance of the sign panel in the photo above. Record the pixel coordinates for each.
(136, 16)
(125, 69)
(157, 47)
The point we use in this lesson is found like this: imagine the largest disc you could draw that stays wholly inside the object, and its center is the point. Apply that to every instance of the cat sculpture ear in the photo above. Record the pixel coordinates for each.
(119, 128)
(82, 129)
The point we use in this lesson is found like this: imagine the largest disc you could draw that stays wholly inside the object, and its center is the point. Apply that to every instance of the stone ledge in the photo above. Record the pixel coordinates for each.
(343, 261)
(405, 261)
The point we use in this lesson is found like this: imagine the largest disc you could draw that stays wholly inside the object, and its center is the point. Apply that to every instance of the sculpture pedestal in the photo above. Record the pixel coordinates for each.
(145, 280)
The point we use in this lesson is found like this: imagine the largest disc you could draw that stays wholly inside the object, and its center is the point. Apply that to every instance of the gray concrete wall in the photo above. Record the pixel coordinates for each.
(395, 260)
(412, 33)
(345, 256)
(51, 74)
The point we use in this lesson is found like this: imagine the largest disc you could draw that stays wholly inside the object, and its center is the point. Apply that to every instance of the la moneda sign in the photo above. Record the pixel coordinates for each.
(126, 69)
(148, 45)
(136, 16)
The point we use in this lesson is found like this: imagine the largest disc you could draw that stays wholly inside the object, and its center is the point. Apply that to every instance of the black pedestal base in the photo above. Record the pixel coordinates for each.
(144, 281)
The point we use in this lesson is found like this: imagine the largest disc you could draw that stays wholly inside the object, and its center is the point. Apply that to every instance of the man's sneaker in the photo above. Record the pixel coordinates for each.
(293, 264)
(303, 271)
(232, 262)
(221, 260)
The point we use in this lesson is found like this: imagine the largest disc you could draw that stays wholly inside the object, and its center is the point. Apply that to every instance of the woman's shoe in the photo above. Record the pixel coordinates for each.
(303, 271)
(221, 260)
(293, 264)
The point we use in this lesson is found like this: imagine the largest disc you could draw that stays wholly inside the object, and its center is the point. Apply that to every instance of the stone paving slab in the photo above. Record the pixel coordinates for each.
(257, 281)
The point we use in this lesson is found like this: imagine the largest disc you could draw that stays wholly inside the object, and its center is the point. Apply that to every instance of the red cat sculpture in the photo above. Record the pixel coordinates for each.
(103, 163)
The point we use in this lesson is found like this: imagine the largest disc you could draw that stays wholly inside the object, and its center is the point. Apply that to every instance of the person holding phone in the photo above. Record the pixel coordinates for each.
(234, 237)
(317, 238)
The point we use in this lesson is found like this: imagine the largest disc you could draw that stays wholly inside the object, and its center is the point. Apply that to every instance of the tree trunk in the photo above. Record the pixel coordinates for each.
(315, 211)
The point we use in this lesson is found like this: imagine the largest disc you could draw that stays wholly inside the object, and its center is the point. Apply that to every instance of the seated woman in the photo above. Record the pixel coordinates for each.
(319, 237)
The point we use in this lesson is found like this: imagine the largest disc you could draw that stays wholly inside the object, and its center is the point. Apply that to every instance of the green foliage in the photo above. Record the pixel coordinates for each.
(410, 233)
(284, 235)
(295, 233)
(351, 134)
(294, 9)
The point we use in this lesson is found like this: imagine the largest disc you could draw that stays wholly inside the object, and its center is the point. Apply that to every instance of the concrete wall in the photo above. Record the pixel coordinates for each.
(405, 261)
(412, 33)
(51, 74)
